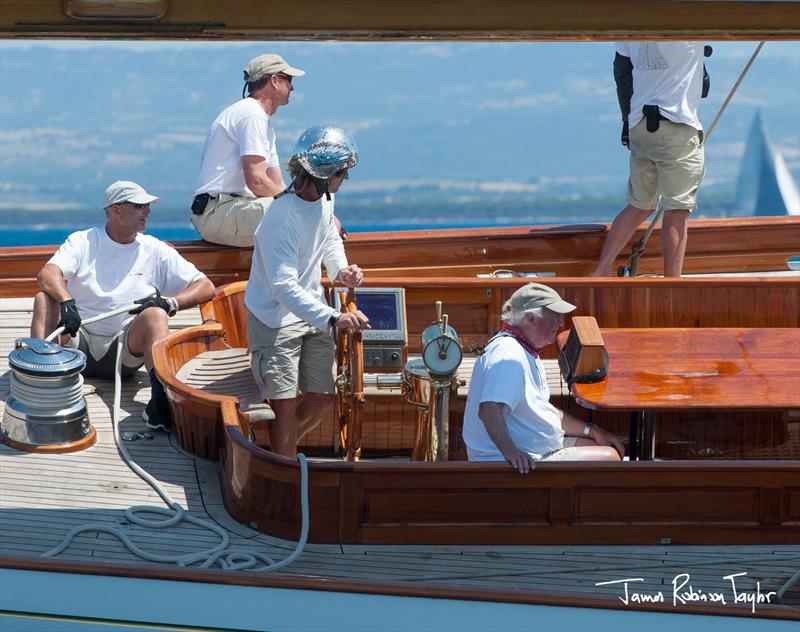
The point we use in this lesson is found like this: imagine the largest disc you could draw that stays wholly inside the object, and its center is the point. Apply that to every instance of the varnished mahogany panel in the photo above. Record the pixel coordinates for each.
(690, 369)
(722, 245)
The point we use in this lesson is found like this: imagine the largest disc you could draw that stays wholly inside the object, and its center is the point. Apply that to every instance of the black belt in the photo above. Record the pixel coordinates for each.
(201, 201)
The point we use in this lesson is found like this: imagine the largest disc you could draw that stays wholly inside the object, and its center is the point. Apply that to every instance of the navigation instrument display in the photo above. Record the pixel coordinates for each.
(380, 308)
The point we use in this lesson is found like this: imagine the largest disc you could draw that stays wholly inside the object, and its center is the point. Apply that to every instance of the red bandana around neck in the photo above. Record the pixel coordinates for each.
(517, 334)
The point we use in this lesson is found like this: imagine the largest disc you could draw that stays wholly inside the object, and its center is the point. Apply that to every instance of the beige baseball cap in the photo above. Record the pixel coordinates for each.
(537, 295)
(269, 64)
(126, 191)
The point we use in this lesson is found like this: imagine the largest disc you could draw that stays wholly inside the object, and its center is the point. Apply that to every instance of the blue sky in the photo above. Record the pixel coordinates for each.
(535, 118)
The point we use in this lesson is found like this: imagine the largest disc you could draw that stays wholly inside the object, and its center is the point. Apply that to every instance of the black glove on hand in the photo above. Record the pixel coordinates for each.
(625, 138)
(70, 318)
(167, 303)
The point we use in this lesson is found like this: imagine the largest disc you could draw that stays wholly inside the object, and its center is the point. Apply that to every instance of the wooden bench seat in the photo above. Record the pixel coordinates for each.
(227, 372)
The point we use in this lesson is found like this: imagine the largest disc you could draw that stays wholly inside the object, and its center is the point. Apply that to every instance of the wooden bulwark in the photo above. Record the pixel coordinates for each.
(722, 245)
(468, 503)
(440, 19)
(471, 503)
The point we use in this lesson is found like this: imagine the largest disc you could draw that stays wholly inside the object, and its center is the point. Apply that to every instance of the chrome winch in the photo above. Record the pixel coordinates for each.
(46, 410)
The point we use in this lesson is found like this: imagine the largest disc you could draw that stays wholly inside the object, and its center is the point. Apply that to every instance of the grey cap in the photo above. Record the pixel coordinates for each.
(270, 64)
(536, 295)
(126, 191)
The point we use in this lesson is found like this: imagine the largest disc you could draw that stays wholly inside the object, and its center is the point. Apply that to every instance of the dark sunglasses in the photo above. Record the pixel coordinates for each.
(287, 77)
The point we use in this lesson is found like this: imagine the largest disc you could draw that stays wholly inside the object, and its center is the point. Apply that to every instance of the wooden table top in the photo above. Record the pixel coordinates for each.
(715, 368)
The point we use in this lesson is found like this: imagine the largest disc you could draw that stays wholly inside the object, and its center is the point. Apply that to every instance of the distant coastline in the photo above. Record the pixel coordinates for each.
(25, 227)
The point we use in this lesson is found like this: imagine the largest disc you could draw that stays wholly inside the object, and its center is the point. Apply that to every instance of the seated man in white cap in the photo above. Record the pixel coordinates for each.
(102, 269)
(239, 171)
(508, 414)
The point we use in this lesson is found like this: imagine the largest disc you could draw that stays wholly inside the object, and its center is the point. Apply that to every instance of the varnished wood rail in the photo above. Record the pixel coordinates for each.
(723, 245)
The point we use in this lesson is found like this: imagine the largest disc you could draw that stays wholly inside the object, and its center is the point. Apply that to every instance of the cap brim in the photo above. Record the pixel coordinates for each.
(144, 198)
(292, 71)
(561, 307)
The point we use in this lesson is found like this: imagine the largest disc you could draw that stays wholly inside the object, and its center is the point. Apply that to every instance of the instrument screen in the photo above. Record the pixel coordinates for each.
(380, 308)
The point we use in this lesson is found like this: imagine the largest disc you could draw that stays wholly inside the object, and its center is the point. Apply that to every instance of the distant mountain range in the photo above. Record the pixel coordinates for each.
(479, 127)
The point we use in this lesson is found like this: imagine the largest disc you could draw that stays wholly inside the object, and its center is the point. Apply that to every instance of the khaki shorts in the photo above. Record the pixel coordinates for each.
(568, 453)
(231, 221)
(290, 360)
(670, 162)
(101, 354)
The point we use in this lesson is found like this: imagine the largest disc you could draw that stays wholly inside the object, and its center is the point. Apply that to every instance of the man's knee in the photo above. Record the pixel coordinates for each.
(152, 319)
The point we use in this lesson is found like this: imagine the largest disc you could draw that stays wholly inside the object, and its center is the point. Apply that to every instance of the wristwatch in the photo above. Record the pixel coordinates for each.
(587, 430)
(334, 318)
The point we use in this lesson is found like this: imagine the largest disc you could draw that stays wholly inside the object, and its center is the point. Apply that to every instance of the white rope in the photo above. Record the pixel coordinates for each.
(219, 555)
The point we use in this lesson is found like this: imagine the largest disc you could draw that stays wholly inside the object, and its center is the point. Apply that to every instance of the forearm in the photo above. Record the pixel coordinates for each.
(572, 426)
(52, 282)
(492, 414)
(263, 181)
(264, 186)
(198, 292)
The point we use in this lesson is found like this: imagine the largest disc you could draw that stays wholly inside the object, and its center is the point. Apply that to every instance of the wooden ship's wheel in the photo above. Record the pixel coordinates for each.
(349, 382)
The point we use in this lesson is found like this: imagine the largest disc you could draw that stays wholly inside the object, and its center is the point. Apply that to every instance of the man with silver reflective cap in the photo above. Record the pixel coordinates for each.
(99, 270)
(239, 170)
(290, 325)
(508, 413)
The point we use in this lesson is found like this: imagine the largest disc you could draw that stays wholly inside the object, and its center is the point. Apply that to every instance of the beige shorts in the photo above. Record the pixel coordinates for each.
(231, 221)
(669, 162)
(569, 452)
(290, 360)
(101, 354)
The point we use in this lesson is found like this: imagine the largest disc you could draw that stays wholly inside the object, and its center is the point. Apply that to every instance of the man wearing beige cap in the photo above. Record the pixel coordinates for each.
(508, 414)
(99, 270)
(239, 171)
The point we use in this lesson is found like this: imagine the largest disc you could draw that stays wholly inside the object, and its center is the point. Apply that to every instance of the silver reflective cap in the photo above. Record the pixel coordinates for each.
(323, 150)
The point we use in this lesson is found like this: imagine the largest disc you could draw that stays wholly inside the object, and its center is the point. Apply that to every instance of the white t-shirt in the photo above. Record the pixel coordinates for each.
(666, 74)
(294, 238)
(508, 374)
(241, 129)
(103, 275)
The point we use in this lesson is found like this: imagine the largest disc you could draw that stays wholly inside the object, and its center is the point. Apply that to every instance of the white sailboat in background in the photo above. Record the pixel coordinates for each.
(765, 186)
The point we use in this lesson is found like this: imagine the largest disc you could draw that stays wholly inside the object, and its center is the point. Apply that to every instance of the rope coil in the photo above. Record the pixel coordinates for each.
(220, 555)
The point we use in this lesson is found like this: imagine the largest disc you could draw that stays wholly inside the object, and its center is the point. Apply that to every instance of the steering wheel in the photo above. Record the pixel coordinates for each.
(349, 381)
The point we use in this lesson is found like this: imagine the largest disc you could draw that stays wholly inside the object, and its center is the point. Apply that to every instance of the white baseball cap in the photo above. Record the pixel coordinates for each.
(126, 191)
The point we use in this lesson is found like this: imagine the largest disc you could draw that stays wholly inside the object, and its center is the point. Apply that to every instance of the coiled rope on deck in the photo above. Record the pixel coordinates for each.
(220, 555)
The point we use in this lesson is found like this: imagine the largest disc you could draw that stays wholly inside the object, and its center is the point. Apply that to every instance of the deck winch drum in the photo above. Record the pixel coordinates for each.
(46, 406)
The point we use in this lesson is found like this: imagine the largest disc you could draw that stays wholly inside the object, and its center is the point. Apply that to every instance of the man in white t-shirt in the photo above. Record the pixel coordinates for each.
(99, 270)
(508, 413)
(239, 171)
(289, 323)
(659, 85)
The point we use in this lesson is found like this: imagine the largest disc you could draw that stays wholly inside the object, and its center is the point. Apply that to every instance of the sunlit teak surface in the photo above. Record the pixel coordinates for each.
(691, 369)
